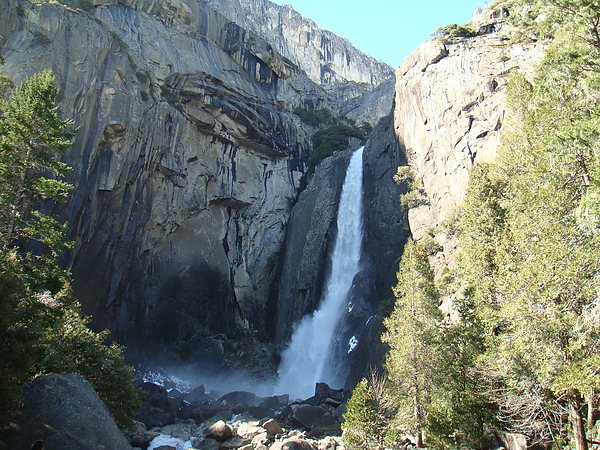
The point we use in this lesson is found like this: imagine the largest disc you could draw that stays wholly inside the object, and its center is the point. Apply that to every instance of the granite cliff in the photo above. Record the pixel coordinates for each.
(188, 157)
(449, 114)
(192, 209)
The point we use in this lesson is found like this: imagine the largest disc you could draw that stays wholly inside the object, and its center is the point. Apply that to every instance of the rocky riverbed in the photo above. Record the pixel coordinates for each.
(207, 420)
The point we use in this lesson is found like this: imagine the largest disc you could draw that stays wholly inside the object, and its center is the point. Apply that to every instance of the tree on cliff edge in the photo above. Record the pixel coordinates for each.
(41, 325)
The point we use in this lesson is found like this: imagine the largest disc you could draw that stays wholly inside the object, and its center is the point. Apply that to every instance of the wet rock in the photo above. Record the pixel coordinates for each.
(215, 412)
(311, 417)
(139, 436)
(323, 390)
(270, 403)
(153, 417)
(260, 413)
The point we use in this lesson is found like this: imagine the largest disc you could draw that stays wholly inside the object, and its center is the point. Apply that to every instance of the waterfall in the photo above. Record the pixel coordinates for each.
(305, 361)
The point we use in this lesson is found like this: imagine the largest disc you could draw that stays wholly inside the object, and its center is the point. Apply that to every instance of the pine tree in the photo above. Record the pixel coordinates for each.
(537, 292)
(41, 325)
(414, 336)
(363, 422)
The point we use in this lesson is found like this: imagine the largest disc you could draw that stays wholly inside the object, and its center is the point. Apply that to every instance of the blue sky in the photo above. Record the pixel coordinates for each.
(388, 30)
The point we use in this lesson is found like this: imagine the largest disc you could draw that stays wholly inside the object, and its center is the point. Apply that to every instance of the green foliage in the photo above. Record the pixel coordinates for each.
(315, 117)
(414, 336)
(70, 346)
(367, 128)
(363, 425)
(143, 76)
(430, 245)
(41, 326)
(454, 30)
(529, 234)
(330, 140)
(168, 94)
(416, 195)
(31, 133)
(120, 43)
(86, 5)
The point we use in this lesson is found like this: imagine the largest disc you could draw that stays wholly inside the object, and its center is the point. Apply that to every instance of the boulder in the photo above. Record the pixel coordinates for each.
(65, 413)
(219, 431)
(237, 397)
(233, 443)
(215, 412)
(206, 444)
(260, 439)
(248, 430)
(139, 436)
(260, 413)
(270, 403)
(311, 417)
(152, 416)
(323, 390)
(293, 443)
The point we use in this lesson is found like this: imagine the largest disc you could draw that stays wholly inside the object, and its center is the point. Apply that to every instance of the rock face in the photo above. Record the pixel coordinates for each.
(188, 156)
(326, 57)
(449, 113)
(308, 243)
(309, 239)
(65, 412)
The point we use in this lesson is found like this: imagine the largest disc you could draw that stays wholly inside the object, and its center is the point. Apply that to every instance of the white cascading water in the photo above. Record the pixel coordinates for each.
(304, 361)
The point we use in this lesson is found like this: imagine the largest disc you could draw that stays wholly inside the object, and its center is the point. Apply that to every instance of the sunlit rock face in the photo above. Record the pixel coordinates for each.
(450, 113)
(187, 160)
(326, 57)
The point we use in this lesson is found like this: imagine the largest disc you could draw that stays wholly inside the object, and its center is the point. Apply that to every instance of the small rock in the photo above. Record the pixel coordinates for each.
(293, 443)
(272, 428)
(233, 443)
(219, 431)
(260, 439)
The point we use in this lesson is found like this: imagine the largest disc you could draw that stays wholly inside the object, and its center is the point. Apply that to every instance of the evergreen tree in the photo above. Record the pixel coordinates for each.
(363, 421)
(41, 325)
(530, 239)
(414, 336)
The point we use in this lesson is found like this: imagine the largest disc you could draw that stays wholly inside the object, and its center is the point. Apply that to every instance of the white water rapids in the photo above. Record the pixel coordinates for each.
(305, 361)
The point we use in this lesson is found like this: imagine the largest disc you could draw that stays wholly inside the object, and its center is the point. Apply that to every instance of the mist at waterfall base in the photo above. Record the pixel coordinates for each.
(308, 358)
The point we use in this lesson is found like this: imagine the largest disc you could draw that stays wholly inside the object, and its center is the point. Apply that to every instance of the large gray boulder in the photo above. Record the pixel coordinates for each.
(65, 413)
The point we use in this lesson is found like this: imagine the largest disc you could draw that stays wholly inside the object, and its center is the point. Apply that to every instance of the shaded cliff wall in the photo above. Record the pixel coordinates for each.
(309, 238)
(186, 162)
